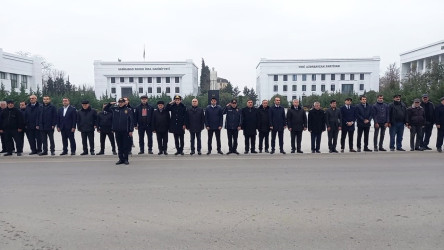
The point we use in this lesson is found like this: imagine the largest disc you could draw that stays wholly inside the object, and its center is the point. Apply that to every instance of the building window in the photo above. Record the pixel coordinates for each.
(159, 90)
(122, 79)
(158, 79)
(313, 77)
(113, 90)
(285, 78)
(294, 88)
(25, 81)
(150, 80)
(323, 87)
(275, 88)
(332, 88)
(13, 81)
(176, 79)
(167, 79)
(275, 78)
(140, 79)
(285, 88)
(2, 75)
(167, 90)
(113, 80)
(140, 90)
(361, 76)
(361, 86)
(323, 77)
(352, 77)
(333, 77)
(342, 77)
(150, 90)
(313, 87)
(304, 77)
(295, 77)
(131, 79)
(347, 88)
(304, 87)
(177, 90)
(293, 98)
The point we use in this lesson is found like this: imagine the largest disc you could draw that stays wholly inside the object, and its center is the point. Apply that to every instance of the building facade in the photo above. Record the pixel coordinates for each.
(299, 78)
(17, 71)
(119, 79)
(418, 60)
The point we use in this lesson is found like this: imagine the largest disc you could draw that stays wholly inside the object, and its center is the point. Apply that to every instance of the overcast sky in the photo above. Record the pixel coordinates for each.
(231, 36)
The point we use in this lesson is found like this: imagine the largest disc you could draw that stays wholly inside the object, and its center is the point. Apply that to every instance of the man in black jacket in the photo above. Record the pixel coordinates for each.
(46, 123)
(213, 122)
(87, 124)
(22, 133)
(195, 123)
(333, 120)
(416, 120)
(316, 125)
(381, 122)
(11, 125)
(250, 117)
(439, 119)
(161, 123)
(297, 123)
(263, 125)
(104, 127)
(177, 124)
(278, 124)
(66, 125)
(429, 110)
(3, 106)
(348, 114)
(123, 127)
(233, 124)
(364, 115)
(398, 118)
(31, 118)
(143, 115)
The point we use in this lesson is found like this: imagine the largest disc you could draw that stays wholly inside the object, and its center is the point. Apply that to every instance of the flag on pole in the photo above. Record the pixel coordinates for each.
(144, 52)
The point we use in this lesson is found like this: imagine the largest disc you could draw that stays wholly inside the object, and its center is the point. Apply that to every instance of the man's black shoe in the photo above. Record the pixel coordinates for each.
(282, 152)
(119, 162)
(115, 153)
(246, 152)
(209, 152)
(199, 153)
(64, 153)
(367, 150)
(272, 151)
(150, 152)
(92, 153)
(236, 152)
(382, 149)
(165, 152)
(375, 149)
(313, 151)
(317, 151)
(33, 153)
(43, 153)
(359, 150)
(419, 149)
(160, 153)
(427, 148)
(84, 153)
(220, 152)
(101, 153)
(126, 162)
(52, 153)
(19, 154)
(254, 152)
(177, 153)
(192, 152)
(342, 150)
(335, 151)
(439, 150)
(7, 154)
(229, 152)
(400, 149)
(73, 153)
(260, 151)
(181, 153)
(352, 151)
(300, 151)
(292, 151)
(266, 151)
(141, 153)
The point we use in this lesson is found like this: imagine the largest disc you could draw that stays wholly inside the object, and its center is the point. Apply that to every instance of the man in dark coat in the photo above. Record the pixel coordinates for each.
(123, 127)
(11, 125)
(381, 122)
(398, 119)
(233, 124)
(46, 123)
(277, 124)
(439, 120)
(31, 118)
(348, 113)
(213, 122)
(3, 106)
(22, 133)
(333, 120)
(263, 125)
(429, 110)
(297, 123)
(66, 125)
(416, 120)
(87, 124)
(143, 115)
(195, 123)
(316, 125)
(161, 123)
(364, 115)
(250, 117)
(104, 127)
(177, 124)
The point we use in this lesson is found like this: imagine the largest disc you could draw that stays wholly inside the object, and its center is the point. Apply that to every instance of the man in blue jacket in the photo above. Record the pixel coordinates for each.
(278, 124)
(364, 115)
(213, 122)
(46, 123)
(398, 119)
(66, 125)
(381, 121)
(348, 113)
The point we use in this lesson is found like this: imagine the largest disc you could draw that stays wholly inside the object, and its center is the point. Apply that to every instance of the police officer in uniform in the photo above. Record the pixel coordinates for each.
(177, 124)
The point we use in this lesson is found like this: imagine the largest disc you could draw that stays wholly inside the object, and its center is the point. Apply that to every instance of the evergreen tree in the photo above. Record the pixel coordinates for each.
(204, 78)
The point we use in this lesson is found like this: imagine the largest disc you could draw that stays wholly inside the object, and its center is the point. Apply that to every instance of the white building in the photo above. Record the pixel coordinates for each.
(16, 71)
(299, 78)
(120, 79)
(419, 59)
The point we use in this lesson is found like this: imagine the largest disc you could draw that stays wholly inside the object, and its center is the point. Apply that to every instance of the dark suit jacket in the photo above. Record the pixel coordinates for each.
(348, 115)
(68, 121)
(277, 118)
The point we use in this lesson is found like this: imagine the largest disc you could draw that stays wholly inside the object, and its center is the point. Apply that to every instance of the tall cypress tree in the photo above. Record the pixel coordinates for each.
(204, 78)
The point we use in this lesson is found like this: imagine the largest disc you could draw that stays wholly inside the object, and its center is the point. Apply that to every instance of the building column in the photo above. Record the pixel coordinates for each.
(424, 69)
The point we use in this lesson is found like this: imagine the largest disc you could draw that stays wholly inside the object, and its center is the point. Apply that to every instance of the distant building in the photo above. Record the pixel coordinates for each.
(222, 82)
(118, 79)
(417, 60)
(17, 71)
(299, 78)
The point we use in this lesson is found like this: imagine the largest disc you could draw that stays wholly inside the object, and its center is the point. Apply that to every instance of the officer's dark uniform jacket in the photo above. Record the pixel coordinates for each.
(233, 118)
(31, 115)
(143, 121)
(250, 117)
(296, 119)
(364, 113)
(86, 119)
(123, 118)
(11, 119)
(214, 117)
(416, 116)
(333, 118)
(47, 117)
(104, 121)
(263, 123)
(161, 120)
(195, 119)
(178, 114)
(316, 121)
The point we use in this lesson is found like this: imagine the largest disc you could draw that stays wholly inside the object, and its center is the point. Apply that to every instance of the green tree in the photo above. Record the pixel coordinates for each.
(204, 78)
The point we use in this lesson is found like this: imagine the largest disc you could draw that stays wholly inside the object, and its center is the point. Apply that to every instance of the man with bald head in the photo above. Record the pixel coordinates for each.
(195, 123)
(31, 117)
